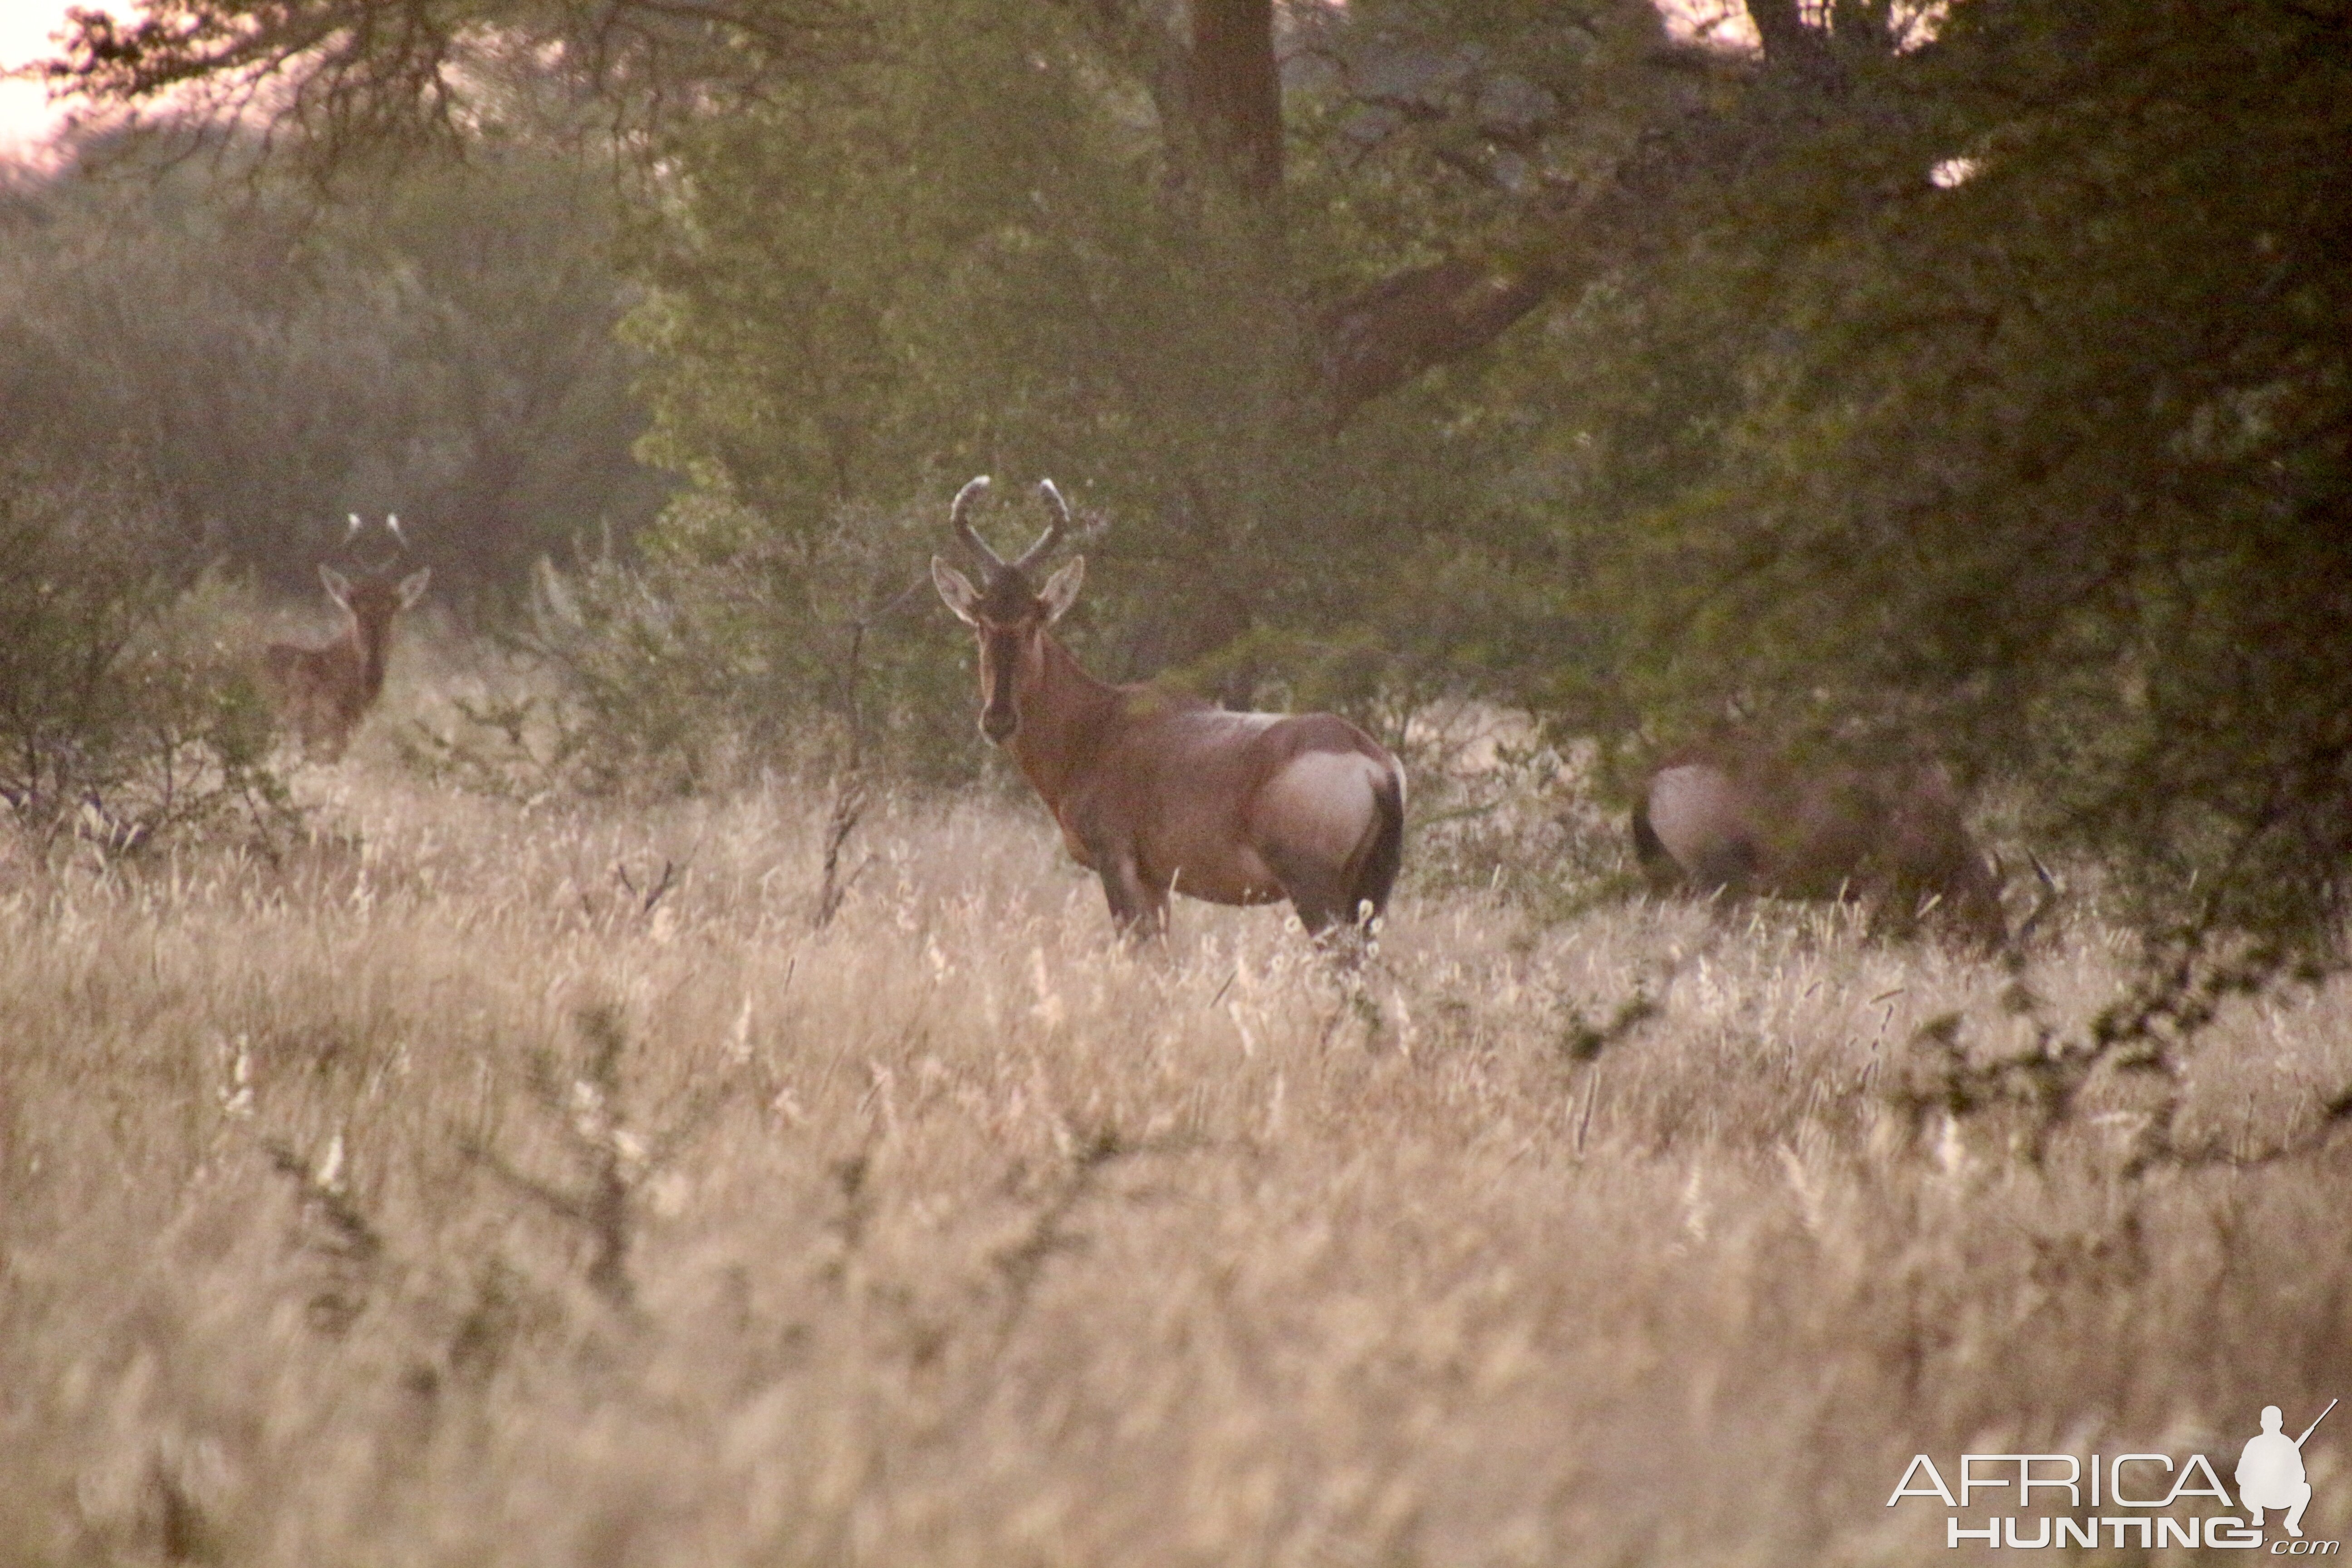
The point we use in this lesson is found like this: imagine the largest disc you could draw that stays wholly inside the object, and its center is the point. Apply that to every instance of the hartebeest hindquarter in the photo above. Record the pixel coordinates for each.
(322, 693)
(1739, 819)
(1156, 792)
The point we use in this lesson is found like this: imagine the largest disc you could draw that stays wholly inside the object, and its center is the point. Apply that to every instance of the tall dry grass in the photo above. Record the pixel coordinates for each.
(497, 1183)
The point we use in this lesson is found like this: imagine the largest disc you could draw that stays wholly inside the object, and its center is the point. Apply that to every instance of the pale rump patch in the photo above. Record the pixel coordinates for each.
(1321, 804)
(1695, 810)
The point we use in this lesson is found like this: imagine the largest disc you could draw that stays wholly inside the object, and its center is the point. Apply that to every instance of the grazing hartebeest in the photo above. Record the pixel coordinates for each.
(1739, 820)
(323, 693)
(1158, 792)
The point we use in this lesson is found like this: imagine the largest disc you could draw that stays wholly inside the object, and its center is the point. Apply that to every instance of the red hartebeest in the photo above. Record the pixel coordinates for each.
(1737, 819)
(321, 693)
(1156, 792)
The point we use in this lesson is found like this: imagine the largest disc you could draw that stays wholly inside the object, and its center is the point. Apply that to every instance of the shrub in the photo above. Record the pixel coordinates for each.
(123, 714)
(731, 644)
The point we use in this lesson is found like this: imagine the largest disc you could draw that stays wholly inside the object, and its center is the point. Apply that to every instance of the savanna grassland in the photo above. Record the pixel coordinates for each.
(486, 1182)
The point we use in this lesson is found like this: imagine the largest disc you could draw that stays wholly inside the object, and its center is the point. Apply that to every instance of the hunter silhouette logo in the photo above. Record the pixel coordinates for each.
(2270, 1471)
(2147, 1492)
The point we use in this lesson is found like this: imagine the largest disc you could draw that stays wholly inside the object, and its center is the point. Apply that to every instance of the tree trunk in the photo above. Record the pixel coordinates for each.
(1233, 92)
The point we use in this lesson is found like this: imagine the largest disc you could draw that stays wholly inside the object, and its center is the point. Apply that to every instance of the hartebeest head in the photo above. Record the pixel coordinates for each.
(374, 601)
(1010, 614)
(377, 597)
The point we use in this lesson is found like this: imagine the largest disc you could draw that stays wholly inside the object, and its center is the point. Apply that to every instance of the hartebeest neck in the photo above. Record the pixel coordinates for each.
(369, 648)
(1065, 715)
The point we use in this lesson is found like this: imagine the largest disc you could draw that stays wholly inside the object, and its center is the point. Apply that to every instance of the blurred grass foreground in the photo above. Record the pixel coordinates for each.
(533, 1182)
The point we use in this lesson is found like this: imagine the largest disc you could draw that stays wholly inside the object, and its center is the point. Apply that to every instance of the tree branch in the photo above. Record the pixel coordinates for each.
(1376, 340)
(352, 74)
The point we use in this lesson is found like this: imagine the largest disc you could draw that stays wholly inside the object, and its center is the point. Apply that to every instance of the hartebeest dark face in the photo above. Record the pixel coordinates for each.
(1009, 614)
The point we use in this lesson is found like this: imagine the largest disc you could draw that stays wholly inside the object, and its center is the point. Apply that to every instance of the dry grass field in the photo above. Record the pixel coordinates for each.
(483, 1184)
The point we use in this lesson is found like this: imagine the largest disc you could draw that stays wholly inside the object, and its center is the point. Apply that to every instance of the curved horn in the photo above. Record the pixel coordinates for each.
(959, 515)
(399, 545)
(1060, 510)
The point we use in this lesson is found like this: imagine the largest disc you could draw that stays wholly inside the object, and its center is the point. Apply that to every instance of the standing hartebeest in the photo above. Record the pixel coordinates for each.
(1158, 792)
(323, 693)
(1738, 819)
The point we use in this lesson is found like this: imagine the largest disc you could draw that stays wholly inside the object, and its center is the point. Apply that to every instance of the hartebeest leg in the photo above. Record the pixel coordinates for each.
(1138, 909)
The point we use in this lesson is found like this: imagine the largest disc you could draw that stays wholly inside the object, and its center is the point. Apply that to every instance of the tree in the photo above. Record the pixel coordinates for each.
(351, 77)
(271, 366)
(2046, 455)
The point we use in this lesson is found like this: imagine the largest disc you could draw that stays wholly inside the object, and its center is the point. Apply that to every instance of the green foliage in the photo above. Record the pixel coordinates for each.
(943, 263)
(122, 717)
(443, 349)
(2046, 457)
(754, 647)
(983, 251)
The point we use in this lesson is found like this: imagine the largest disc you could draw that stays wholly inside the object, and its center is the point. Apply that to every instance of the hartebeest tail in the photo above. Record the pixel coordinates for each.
(1383, 855)
(1157, 791)
(1738, 819)
(322, 693)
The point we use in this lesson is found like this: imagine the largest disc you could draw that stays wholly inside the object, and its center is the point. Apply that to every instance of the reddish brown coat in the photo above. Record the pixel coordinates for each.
(1156, 792)
(1738, 819)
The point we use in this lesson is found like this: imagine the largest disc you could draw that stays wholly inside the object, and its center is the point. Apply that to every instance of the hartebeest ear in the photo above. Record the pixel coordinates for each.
(412, 588)
(1062, 588)
(957, 590)
(338, 586)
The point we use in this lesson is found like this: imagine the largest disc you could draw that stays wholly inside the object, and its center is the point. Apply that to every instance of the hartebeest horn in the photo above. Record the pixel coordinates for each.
(399, 543)
(959, 515)
(1058, 519)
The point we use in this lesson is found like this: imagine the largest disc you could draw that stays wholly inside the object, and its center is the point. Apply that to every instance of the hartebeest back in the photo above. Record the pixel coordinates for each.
(321, 693)
(1739, 819)
(1157, 791)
